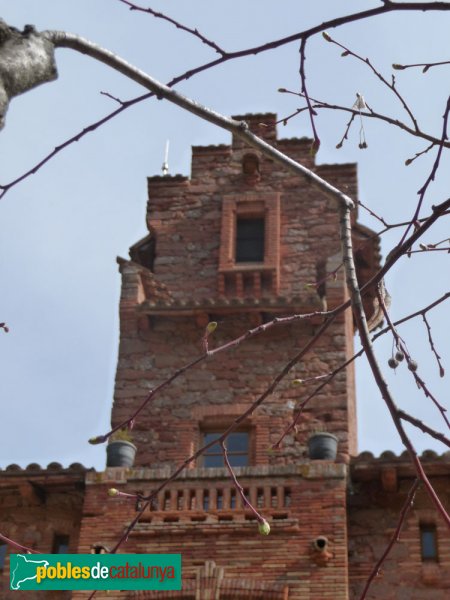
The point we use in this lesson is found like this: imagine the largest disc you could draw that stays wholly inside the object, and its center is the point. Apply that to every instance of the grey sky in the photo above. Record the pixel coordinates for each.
(62, 229)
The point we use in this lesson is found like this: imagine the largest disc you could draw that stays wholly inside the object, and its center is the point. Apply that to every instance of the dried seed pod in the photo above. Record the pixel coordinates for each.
(412, 365)
(399, 355)
(393, 363)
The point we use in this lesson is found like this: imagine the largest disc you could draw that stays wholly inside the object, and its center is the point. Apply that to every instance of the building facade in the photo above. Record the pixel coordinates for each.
(246, 244)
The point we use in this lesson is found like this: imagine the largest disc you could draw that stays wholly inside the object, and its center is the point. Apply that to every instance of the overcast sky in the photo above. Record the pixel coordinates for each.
(62, 229)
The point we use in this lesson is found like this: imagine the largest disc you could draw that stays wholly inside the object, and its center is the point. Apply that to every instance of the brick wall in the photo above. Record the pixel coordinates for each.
(378, 491)
(36, 505)
(302, 503)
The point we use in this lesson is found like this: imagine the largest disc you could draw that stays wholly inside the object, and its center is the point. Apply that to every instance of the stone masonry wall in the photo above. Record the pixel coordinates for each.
(185, 217)
(221, 388)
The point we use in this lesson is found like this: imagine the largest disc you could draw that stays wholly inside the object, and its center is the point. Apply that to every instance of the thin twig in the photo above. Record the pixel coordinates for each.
(395, 538)
(320, 104)
(408, 161)
(433, 172)
(391, 86)
(426, 66)
(412, 365)
(238, 486)
(312, 113)
(433, 347)
(134, 7)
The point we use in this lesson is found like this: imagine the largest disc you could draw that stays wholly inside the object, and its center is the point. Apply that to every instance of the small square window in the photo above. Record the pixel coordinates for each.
(428, 542)
(3, 551)
(250, 234)
(237, 444)
(60, 544)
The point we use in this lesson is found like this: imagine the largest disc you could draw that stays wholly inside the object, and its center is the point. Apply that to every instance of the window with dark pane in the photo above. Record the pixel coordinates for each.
(428, 542)
(250, 239)
(3, 550)
(60, 544)
(237, 445)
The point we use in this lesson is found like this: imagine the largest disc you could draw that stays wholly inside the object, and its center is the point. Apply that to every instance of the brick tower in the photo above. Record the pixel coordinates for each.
(240, 242)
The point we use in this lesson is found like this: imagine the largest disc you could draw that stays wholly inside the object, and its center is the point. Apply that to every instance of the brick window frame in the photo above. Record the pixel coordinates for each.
(240, 278)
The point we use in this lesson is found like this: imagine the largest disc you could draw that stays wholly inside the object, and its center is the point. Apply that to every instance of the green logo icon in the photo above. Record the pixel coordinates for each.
(95, 572)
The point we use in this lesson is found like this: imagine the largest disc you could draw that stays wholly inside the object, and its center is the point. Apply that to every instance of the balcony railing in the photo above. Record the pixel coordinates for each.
(204, 500)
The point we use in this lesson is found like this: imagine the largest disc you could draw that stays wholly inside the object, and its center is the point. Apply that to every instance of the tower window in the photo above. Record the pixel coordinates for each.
(250, 233)
(428, 542)
(237, 445)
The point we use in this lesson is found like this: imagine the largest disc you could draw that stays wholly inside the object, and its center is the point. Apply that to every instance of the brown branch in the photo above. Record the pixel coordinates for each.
(332, 23)
(408, 161)
(312, 113)
(390, 86)
(320, 104)
(284, 120)
(412, 365)
(396, 536)
(347, 129)
(402, 248)
(261, 520)
(434, 169)
(76, 138)
(17, 546)
(366, 343)
(404, 223)
(425, 66)
(373, 214)
(160, 15)
(238, 128)
(418, 313)
(330, 376)
(425, 428)
(433, 347)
